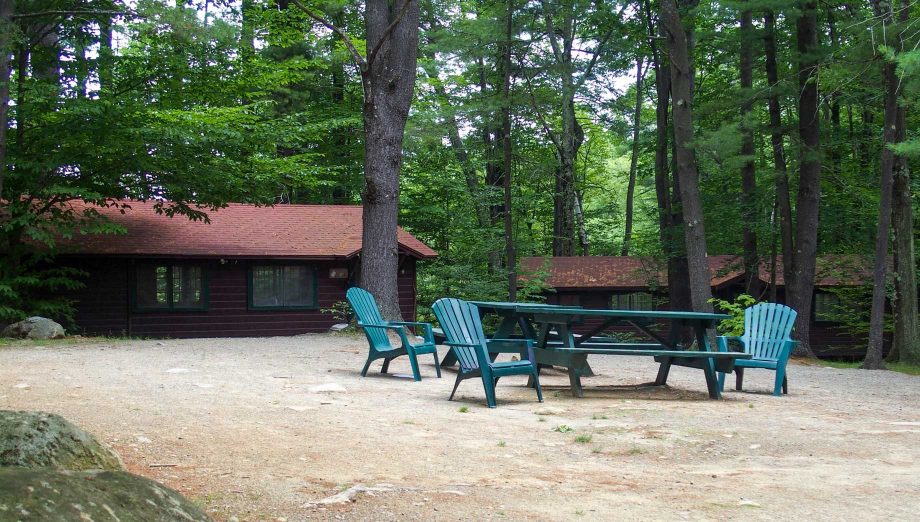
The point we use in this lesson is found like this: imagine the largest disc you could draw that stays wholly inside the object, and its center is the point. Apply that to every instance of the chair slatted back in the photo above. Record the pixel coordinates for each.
(461, 324)
(767, 326)
(365, 307)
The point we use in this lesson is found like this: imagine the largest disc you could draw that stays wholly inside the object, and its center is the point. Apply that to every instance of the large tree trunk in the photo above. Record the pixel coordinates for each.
(682, 103)
(809, 193)
(508, 218)
(783, 206)
(906, 345)
(874, 351)
(564, 196)
(6, 51)
(634, 160)
(389, 84)
(748, 174)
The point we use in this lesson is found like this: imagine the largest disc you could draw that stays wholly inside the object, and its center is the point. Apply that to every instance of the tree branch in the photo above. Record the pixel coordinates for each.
(362, 63)
(39, 14)
(386, 32)
(536, 108)
(591, 64)
(551, 33)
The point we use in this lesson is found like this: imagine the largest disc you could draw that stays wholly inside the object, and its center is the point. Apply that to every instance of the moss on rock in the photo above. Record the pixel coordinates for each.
(36, 439)
(52, 494)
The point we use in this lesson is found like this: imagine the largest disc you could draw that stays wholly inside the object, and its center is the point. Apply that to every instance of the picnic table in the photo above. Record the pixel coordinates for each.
(550, 327)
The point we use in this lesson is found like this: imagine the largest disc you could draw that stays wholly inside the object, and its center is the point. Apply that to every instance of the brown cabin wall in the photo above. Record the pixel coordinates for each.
(103, 306)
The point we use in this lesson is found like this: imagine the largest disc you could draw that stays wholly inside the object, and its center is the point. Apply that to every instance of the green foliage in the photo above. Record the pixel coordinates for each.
(563, 428)
(39, 290)
(341, 311)
(733, 326)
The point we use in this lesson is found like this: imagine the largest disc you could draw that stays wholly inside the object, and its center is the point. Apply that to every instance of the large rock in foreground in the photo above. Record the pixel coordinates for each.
(32, 439)
(49, 494)
(34, 328)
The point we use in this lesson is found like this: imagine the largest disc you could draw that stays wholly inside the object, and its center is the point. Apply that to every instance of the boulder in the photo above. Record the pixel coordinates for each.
(51, 494)
(32, 439)
(34, 328)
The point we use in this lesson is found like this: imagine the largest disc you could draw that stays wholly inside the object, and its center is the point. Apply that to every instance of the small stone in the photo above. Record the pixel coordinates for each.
(178, 370)
(754, 446)
(22, 386)
(143, 440)
(748, 503)
(329, 387)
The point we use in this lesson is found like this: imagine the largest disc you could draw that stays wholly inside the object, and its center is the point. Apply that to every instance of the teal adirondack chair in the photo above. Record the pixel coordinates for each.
(375, 328)
(463, 329)
(767, 337)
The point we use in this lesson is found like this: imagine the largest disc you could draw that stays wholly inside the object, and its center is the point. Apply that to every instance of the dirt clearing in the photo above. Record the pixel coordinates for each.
(267, 429)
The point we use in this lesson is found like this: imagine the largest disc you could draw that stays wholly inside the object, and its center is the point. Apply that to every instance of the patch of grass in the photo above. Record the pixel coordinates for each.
(909, 369)
(580, 512)
(635, 451)
(598, 417)
(464, 409)
(564, 428)
(502, 444)
(541, 419)
(597, 449)
(584, 439)
(557, 394)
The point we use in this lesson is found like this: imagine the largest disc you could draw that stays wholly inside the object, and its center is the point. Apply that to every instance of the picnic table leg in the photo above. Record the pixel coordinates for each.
(663, 371)
(449, 359)
(576, 366)
(709, 367)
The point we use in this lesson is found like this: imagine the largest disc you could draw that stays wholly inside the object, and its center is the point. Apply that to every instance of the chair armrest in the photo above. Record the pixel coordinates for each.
(400, 331)
(722, 342)
(427, 333)
(788, 348)
(469, 345)
(528, 347)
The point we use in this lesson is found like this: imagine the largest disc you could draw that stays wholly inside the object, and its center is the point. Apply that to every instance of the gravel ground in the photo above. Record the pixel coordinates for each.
(269, 429)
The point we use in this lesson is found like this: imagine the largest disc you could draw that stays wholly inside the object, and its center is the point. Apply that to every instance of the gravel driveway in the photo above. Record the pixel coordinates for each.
(286, 429)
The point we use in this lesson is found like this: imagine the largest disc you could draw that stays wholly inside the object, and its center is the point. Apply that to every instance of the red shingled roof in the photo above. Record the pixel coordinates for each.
(620, 272)
(239, 230)
(628, 272)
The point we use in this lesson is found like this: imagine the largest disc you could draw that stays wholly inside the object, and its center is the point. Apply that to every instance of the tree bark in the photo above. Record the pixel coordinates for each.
(906, 345)
(682, 103)
(634, 160)
(508, 218)
(6, 51)
(389, 84)
(748, 174)
(809, 192)
(781, 179)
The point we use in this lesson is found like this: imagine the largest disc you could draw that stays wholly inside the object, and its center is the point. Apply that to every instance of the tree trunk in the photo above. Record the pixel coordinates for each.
(874, 351)
(389, 84)
(508, 218)
(634, 161)
(809, 193)
(6, 51)
(783, 206)
(906, 345)
(682, 103)
(564, 196)
(580, 221)
(748, 174)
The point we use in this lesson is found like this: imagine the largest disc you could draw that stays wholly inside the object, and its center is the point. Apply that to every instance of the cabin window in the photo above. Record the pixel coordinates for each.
(282, 286)
(167, 286)
(827, 307)
(633, 301)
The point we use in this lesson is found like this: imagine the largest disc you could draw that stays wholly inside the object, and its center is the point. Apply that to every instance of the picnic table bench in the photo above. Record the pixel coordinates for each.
(550, 327)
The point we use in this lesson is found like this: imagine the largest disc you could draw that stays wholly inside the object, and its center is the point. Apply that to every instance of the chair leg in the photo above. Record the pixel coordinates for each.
(437, 366)
(386, 365)
(721, 382)
(489, 386)
(739, 378)
(367, 365)
(780, 381)
(786, 384)
(536, 384)
(413, 361)
(456, 383)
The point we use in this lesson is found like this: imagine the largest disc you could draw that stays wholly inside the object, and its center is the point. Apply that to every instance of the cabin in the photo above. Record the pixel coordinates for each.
(251, 271)
(640, 283)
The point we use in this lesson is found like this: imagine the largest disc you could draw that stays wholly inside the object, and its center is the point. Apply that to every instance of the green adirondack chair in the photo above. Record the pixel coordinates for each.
(767, 337)
(375, 328)
(463, 329)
